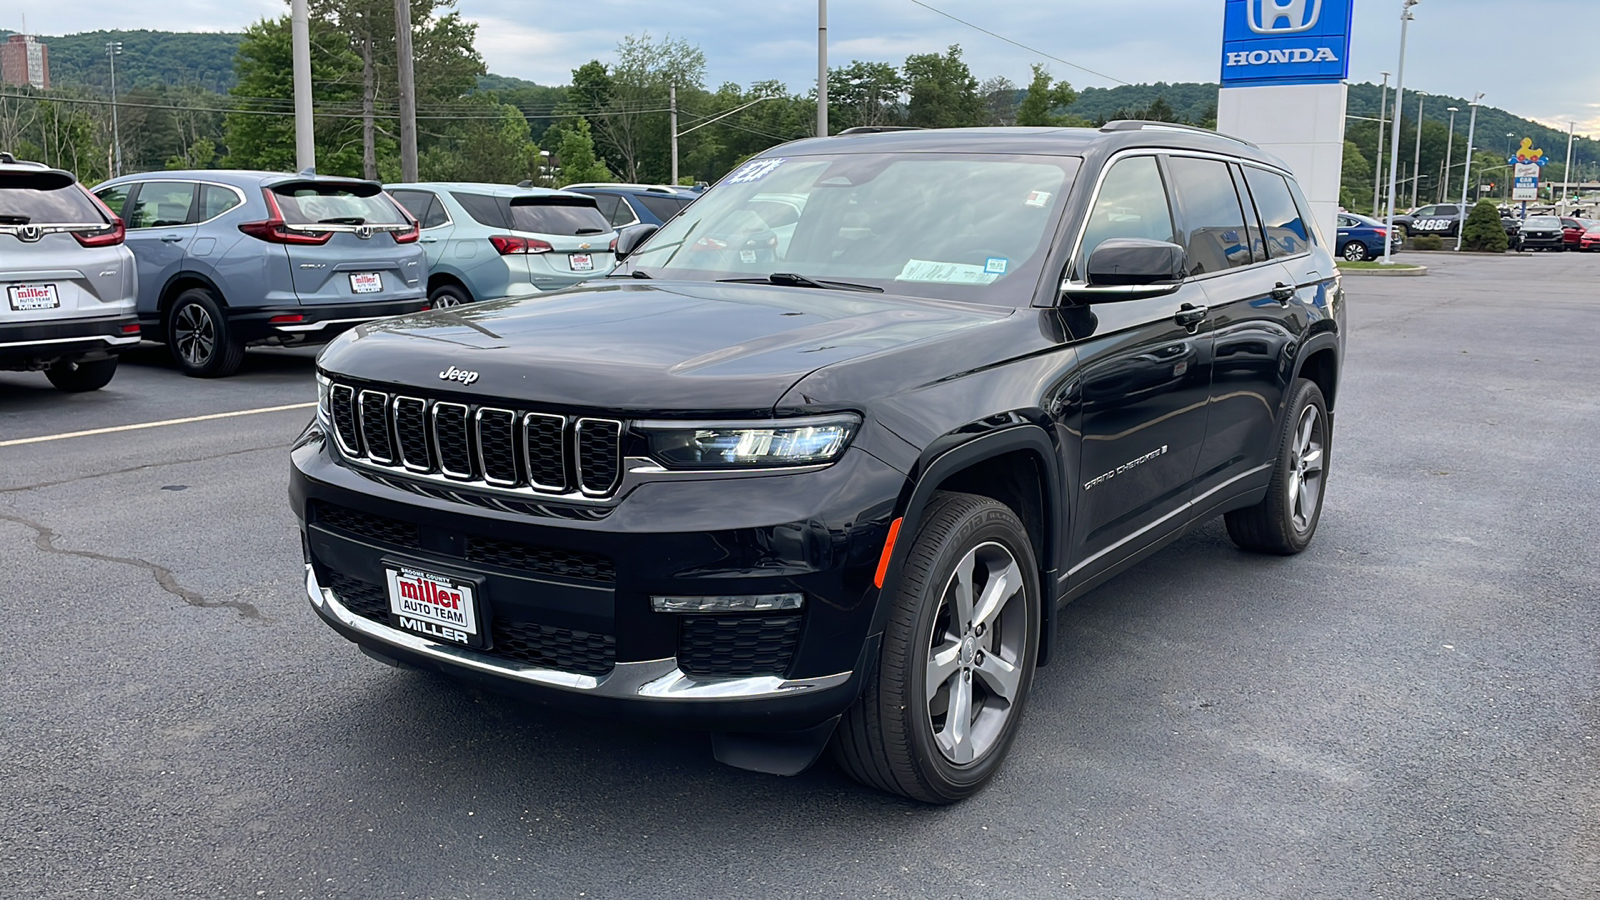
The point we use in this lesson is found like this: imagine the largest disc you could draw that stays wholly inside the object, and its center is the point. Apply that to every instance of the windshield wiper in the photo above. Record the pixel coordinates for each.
(638, 273)
(8, 219)
(343, 220)
(792, 279)
(583, 231)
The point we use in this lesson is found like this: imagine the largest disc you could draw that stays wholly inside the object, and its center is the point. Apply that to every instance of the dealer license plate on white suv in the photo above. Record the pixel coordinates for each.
(439, 606)
(33, 296)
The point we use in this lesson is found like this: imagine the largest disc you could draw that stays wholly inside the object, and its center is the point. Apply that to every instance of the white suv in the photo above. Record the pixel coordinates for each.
(68, 282)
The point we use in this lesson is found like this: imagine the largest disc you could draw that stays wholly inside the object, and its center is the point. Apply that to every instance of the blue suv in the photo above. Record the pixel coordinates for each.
(230, 259)
(637, 204)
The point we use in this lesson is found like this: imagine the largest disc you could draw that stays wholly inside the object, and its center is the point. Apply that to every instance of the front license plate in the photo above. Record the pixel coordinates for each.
(439, 606)
(582, 262)
(366, 282)
(33, 296)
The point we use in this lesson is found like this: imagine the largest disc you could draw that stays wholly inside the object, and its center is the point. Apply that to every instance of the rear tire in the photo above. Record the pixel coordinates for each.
(942, 705)
(1286, 519)
(1354, 251)
(447, 295)
(80, 377)
(199, 337)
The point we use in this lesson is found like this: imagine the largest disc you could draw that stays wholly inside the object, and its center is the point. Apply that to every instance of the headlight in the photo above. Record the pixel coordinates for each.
(750, 445)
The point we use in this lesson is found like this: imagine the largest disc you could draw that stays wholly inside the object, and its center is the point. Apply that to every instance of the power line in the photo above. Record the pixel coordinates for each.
(1019, 43)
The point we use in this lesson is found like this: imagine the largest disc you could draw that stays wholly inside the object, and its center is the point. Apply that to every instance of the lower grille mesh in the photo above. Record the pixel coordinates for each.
(737, 645)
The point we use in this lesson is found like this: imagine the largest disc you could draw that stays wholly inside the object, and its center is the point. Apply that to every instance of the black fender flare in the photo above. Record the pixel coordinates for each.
(163, 303)
(940, 461)
(1322, 340)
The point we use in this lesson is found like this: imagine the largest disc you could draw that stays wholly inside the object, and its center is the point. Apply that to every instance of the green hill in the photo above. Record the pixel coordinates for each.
(149, 59)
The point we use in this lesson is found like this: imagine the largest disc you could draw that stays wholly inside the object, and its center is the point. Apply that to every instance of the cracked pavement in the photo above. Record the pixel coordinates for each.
(1408, 710)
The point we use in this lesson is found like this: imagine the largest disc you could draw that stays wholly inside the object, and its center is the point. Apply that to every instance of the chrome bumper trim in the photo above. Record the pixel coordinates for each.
(318, 326)
(112, 339)
(652, 679)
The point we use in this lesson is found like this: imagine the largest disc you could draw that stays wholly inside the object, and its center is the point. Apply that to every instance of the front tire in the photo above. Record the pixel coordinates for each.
(1354, 251)
(199, 337)
(943, 704)
(1286, 519)
(80, 377)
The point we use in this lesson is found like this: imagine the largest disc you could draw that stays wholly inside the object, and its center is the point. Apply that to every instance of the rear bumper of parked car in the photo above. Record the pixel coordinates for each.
(37, 344)
(582, 631)
(313, 324)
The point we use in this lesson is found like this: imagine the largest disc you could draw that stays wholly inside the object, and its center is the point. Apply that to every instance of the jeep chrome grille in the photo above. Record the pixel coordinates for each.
(484, 446)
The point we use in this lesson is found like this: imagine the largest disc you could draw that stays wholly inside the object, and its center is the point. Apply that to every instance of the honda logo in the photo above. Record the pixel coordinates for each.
(1283, 16)
(364, 232)
(29, 233)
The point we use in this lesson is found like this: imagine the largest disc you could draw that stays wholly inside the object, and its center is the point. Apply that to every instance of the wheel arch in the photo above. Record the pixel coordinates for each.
(1017, 466)
(435, 279)
(181, 282)
(1319, 362)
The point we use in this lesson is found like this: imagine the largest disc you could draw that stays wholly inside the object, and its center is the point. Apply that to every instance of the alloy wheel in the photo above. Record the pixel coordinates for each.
(1305, 469)
(1355, 252)
(195, 334)
(976, 653)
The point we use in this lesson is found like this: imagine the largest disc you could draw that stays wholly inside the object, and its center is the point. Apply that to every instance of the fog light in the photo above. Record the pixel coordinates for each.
(737, 603)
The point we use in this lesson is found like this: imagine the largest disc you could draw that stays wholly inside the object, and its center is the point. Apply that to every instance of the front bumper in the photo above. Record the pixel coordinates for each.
(38, 344)
(818, 533)
(1546, 241)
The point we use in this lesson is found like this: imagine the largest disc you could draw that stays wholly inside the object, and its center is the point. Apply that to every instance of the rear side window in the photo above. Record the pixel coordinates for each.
(557, 215)
(1132, 204)
(161, 204)
(663, 207)
(67, 205)
(215, 200)
(483, 210)
(1286, 230)
(115, 198)
(335, 204)
(1217, 239)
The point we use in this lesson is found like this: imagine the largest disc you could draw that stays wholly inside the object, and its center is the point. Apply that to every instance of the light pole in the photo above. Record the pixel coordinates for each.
(1466, 174)
(1416, 162)
(113, 50)
(1509, 136)
(305, 136)
(1566, 170)
(822, 68)
(1394, 133)
(1449, 148)
(1377, 176)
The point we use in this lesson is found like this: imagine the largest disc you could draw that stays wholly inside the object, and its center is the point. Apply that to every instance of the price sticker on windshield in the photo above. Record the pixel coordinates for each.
(755, 170)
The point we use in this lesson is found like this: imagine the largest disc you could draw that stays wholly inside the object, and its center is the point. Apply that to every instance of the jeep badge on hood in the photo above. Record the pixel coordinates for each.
(455, 374)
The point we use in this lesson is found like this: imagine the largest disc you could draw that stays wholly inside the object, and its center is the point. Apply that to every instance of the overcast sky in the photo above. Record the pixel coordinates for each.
(1457, 47)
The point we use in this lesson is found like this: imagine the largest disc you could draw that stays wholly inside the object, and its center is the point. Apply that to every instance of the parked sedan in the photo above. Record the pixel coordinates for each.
(1542, 233)
(1590, 239)
(1572, 230)
(1361, 238)
(488, 241)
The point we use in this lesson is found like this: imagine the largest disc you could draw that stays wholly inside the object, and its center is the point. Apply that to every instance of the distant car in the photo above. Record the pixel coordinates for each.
(1542, 233)
(68, 279)
(229, 259)
(1444, 220)
(1361, 238)
(1590, 239)
(1572, 230)
(488, 241)
(637, 204)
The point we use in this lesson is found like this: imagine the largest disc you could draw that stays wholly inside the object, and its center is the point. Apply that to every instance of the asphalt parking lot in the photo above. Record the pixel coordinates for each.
(1408, 710)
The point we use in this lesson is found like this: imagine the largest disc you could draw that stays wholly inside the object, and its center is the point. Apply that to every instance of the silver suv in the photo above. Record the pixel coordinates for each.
(68, 281)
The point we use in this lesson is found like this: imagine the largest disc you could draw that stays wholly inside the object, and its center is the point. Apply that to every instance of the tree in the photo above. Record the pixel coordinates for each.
(632, 124)
(865, 93)
(943, 92)
(1483, 231)
(259, 134)
(577, 159)
(1355, 182)
(1043, 97)
(492, 147)
(1000, 100)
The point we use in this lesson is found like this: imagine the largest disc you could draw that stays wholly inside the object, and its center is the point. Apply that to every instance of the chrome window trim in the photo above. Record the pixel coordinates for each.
(527, 452)
(466, 434)
(361, 414)
(577, 462)
(338, 438)
(483, 465)
(400, 449)
(449, 218)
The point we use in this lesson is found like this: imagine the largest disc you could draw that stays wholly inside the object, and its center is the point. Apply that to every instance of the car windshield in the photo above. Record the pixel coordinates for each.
(1543, 222)
(954, 226)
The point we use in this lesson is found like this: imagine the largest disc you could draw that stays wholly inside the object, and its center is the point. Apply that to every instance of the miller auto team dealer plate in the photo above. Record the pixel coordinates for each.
(440, 607)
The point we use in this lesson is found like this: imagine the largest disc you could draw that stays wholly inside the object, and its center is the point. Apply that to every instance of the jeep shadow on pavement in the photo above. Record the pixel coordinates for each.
(818, 463)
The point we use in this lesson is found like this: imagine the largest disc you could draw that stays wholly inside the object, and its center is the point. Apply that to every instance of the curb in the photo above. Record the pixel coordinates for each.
(1414, 272)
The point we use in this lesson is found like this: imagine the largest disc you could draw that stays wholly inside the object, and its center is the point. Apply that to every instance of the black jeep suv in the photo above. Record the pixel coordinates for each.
(822, 458)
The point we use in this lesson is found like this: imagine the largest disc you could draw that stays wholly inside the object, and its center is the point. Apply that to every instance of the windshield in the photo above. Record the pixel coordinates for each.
(955, 226)
(1544, 222)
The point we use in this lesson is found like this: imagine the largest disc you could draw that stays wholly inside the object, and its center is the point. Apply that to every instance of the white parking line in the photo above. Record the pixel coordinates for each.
(142, 425)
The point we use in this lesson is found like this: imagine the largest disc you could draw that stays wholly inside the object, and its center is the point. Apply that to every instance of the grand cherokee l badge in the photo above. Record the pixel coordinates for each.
(455, 374)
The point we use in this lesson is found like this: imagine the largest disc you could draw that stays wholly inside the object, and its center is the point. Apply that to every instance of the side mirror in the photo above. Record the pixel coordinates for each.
(1131, 269)
(629, 239)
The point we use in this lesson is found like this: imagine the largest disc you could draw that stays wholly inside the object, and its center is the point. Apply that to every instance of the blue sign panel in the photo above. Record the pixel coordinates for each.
(1286, 42)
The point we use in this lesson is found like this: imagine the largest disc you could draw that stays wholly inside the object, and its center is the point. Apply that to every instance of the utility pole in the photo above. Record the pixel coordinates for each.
(113, 49)
(1416, 162)
(1394, 133)
(1566, 170)
(305, 138)
(1466, 174)
(408, 91)
(1449, 150)
(672, 105)
(1377, 176)
(822, 68)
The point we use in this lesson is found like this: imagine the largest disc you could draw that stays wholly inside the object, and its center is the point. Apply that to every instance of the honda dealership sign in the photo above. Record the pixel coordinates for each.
(1286, 42)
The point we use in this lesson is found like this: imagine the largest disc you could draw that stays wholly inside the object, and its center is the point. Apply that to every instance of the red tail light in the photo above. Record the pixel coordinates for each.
(405, 237)
(130, 329)
(276, 231)
(508, 244)
(104, 238)
(286, 320)
(613, 245)
(1382, 232)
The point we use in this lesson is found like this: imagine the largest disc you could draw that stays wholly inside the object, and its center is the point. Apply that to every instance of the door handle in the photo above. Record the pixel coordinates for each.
(1190, 316)
(1283, 293)
(429, 240)
(171, 238)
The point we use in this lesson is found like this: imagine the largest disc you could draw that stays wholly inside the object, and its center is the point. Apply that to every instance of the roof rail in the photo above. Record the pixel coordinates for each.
(1144, 124)
(879, 129)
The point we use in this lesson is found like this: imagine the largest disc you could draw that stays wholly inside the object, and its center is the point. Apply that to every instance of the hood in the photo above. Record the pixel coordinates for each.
(643, 347)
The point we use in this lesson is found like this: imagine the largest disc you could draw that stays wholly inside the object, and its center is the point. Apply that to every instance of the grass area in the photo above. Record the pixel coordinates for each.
(1346, 264)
